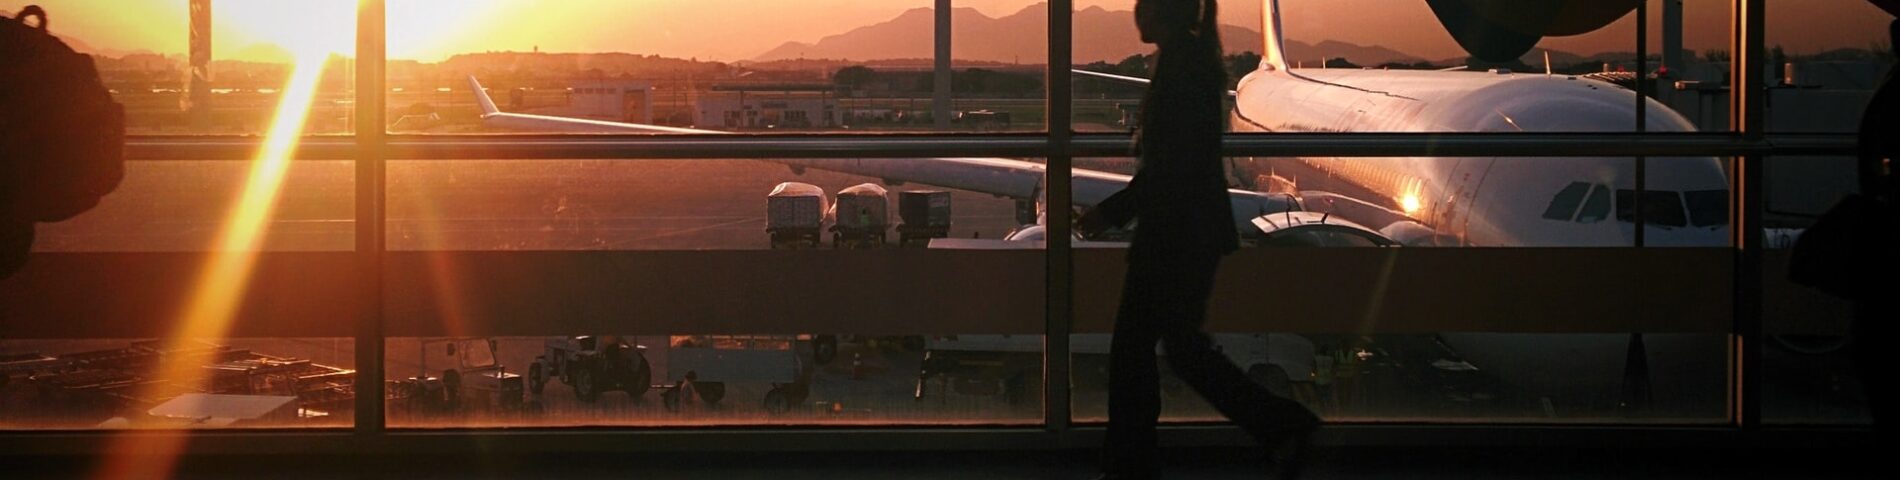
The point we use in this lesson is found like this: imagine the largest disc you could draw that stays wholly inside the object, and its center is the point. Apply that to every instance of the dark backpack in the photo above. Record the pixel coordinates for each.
(62, 137)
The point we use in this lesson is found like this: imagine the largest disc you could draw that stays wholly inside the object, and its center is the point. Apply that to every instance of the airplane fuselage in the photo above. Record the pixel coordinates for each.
(1546, 201)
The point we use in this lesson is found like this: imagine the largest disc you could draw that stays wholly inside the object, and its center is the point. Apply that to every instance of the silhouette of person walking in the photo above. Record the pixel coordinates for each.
(1179, 196)
(1879, 127)
(1849, 251)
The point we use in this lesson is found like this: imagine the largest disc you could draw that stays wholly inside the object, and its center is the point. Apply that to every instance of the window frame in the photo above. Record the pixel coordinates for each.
(1746, 144)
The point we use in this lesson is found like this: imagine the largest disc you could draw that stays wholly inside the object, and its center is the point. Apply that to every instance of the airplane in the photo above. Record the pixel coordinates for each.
(1415, 201)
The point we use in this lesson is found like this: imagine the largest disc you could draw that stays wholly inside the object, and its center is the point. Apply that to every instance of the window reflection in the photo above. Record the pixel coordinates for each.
(80, 384)
(611, 66)
(713, 380)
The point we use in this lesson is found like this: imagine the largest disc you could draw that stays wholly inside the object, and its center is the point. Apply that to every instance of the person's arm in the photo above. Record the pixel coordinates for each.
(1115, 211)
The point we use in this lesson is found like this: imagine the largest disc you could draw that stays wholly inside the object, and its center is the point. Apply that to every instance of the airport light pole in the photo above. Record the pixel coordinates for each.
(940, 95)
(1672, 35)
(197, 101)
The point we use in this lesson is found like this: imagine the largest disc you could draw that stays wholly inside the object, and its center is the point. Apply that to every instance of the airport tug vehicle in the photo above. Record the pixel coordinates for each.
(592, 365)
(469, 372)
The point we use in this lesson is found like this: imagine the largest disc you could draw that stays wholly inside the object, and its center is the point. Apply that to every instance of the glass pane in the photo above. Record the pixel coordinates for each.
(174, 206)
(736, 292)
(1463, 366)
(701, 204)
(714, 380)
(1824, 61)
(1808, 370)
(1564, 206)
(617, 66)
(263, 60)
(1444, 201)
(233, 383)
(1374, 66)
(1458, 377)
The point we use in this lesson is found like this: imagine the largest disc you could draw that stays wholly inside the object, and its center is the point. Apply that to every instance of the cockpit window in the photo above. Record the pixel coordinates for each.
(1707, 208)
(1659, 208)
(1565, 205)
(1597, 207)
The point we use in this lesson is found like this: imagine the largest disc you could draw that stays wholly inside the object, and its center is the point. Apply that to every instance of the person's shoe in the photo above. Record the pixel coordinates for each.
(1292, 454)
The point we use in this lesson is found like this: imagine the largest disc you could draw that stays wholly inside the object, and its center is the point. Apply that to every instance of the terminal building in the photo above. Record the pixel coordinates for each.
(767, 107)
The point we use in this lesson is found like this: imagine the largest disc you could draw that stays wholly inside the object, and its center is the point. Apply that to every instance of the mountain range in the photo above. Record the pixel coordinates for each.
(1100, 35)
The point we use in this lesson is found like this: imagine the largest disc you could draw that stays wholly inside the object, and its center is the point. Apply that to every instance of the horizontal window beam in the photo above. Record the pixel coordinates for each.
(898, 292)
(926, 146)
(528, 441)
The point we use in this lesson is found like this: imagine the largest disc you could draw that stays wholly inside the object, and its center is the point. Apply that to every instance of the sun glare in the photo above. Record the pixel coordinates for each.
(312, 32)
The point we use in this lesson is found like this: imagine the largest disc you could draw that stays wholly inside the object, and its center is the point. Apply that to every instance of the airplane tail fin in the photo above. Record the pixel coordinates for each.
(481, 97)
(1275, 56)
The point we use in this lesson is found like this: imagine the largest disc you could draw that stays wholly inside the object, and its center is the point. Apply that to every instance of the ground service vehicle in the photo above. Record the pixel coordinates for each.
(700, 365)
(469, 373)
(794, 215)
(593, 364)
(926, 215)
(860, 217)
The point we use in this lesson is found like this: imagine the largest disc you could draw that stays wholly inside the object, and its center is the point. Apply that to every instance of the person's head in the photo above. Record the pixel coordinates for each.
(1163, 20)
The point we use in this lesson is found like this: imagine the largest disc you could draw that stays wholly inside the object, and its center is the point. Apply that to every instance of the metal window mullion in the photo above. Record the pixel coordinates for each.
(370, 214)
(1642, 120)
(1747, 107)
(1058, 203)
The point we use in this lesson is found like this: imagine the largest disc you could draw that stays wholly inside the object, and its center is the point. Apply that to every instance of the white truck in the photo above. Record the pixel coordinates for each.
(795, 214)
(926, 215)
(860, 217)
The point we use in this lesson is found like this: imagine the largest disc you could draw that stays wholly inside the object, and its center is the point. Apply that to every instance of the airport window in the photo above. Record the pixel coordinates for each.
(535, 281)
(1565, 205)
(1824, 64)
(1597, 207)
(180, 206)
(830, 67)
(1659, 208)
(1707, 208)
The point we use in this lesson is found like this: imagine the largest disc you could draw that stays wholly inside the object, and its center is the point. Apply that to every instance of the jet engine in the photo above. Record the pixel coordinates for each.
(1501, 31)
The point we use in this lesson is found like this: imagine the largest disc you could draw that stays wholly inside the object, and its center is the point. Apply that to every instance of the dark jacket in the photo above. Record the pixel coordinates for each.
(1880, 131)
(1179, 193)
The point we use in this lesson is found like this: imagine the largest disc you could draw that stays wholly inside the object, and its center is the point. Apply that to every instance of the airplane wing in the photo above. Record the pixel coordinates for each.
(1002, 177)
(1111, 76)
(1126, 79)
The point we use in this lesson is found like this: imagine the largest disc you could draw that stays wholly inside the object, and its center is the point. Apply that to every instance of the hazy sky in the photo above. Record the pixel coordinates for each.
(740, 29)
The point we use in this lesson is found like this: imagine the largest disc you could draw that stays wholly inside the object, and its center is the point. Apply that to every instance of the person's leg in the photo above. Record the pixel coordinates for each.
(1134, 392)
(1870, 363)
(1269, 418)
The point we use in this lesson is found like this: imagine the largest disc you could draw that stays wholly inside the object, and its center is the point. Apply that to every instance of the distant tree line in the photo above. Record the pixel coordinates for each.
(859, 80)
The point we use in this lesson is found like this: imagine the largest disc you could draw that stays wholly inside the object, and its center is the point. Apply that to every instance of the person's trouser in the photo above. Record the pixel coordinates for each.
(1871, 362)
(1165, 300)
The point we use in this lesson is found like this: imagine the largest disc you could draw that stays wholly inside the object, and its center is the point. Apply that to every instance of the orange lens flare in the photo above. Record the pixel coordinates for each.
(222, 282)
